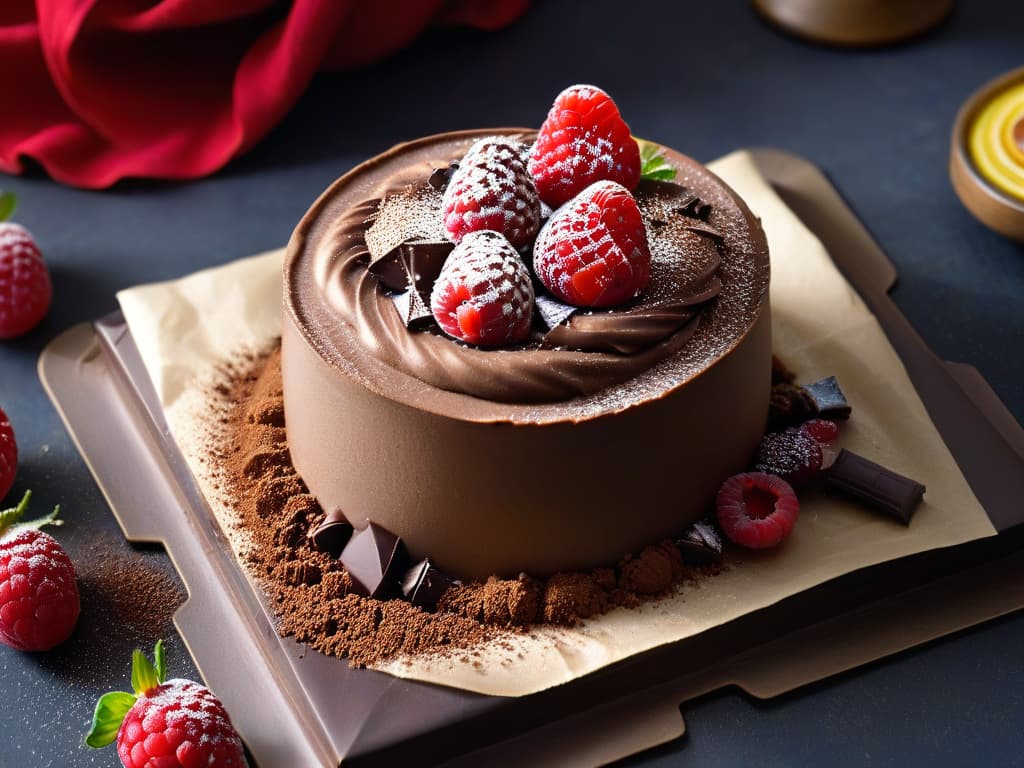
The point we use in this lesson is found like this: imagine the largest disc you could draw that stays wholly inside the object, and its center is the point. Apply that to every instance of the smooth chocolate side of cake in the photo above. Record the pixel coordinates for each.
(484, 487)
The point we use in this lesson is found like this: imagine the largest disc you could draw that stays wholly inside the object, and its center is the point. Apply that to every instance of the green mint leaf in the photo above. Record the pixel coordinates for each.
(8, 202)
(9, 517)
(161, 661)
(144, 677)
(653, 165)
(107, 719)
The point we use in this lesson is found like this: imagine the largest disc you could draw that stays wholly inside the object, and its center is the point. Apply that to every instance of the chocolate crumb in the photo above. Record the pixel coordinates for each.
(570, 597)
(789, 405)
(781, 374)
(656, 568)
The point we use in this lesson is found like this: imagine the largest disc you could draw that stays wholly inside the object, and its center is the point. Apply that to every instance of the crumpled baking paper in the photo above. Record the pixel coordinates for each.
(185, 328)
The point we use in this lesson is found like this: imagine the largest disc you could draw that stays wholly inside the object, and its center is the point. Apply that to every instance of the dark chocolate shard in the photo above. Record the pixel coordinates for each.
(375, 558)
(422, 261)
(424, 584)
(828, 398)
(694, 207)
(412, 214)
(415, 262)
(390, 271)
(882, 488)
(413, 309)
(700, 544)
(706, 230)
(552, 311)
(441, 176)
(332, 534)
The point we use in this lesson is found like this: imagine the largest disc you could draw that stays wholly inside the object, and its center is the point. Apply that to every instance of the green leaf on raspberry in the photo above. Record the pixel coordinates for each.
(8, 202)
(161, 661)
(144, 675)
(107, 719)
(11, 518)
(653, 165)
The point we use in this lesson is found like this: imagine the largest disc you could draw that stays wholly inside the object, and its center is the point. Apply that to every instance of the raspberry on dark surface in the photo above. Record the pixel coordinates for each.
(8, 455)
(25, 288)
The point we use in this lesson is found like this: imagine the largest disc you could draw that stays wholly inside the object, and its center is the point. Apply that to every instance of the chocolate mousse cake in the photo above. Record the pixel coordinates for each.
(592, 432)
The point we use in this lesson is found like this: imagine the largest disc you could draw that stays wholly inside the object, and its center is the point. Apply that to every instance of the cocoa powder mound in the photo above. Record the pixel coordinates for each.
(312, 593)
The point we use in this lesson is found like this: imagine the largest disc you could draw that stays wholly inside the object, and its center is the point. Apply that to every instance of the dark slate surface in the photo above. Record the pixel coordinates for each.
(705, 78)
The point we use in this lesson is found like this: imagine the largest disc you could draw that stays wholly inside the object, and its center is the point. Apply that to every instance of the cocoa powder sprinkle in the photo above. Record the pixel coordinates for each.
(311, 592)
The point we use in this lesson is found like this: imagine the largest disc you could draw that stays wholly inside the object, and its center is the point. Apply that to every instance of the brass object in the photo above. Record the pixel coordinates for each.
(855, 23)
(994, 207)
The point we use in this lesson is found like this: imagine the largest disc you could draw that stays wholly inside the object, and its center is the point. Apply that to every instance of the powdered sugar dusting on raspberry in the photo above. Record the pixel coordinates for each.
(188, 719)
(583, 140)
(577, 238)
(491, 189)
(485, 274)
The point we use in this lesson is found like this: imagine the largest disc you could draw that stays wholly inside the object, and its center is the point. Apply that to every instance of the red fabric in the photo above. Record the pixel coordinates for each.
(97, 90)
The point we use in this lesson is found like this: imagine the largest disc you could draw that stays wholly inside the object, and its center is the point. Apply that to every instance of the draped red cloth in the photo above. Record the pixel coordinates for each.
(97, 90)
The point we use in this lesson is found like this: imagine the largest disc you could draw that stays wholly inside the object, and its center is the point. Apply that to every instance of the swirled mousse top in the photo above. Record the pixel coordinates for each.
(709, 281)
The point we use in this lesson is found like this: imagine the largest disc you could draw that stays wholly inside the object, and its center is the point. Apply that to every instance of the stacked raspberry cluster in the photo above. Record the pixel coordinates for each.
(591, 252)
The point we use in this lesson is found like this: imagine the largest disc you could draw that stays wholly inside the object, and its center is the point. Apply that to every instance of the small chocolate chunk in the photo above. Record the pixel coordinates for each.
(413, 263)
(413, 214)
(694, 207)
(390, 271)
(828, 398)
(706, 230)
(413, 309)
(552, 311)
(424, 584)
(780, 372)
(332, 534)
(788, 404)
(700, 544)
(422, 260)
(375, 558)
(441, 176)
(887, 491)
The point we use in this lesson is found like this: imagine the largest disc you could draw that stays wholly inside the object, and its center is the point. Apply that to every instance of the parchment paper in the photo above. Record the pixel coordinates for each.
(185, 328)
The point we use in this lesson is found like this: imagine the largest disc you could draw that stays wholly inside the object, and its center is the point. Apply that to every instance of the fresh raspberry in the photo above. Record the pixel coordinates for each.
(173, 724)
(38, 588)
(483, 295)
(793, 455)
(583, 140)
(25, 289)
(824, 431)
(593, 250)
(491, 189)
(8, 454)
(756, 510)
